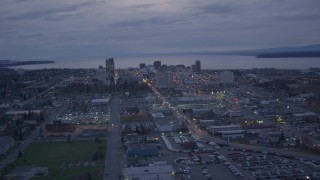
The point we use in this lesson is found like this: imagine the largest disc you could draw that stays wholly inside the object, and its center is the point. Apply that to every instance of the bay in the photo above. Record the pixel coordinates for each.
(207, 62)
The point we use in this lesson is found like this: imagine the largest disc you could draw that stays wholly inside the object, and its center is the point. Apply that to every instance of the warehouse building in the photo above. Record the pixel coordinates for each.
(142, 150)
(155, 171)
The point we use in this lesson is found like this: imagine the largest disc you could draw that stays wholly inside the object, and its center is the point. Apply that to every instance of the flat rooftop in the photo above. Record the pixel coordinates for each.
(149, 172)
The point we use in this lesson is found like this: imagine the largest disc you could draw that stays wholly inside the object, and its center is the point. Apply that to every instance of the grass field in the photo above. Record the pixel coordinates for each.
(54, 154)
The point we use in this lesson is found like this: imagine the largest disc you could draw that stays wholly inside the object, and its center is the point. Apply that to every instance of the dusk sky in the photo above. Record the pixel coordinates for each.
(63, 28)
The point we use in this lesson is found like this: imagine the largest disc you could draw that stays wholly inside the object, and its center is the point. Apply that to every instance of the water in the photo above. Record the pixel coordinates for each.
(207, 62)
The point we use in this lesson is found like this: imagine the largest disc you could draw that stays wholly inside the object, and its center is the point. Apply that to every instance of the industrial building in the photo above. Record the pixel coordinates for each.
(155, 171)
(228, 131)
(142, 150)
(100, 102)
(164, 126)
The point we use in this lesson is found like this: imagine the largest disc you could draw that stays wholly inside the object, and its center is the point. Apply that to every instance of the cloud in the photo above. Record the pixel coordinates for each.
(147, 22)
(300, 16)
(153, 26)
(149, 5)
(47, 13)
(28, 36)
(219, 8)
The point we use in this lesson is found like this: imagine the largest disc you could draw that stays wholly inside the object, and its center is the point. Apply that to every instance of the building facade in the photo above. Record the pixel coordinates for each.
(110, 71)
(196, 68)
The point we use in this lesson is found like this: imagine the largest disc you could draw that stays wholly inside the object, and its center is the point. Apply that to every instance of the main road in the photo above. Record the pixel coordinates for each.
(193, 128)
(113, 160)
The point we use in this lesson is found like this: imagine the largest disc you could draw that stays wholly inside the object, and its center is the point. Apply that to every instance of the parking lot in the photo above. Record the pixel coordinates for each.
(206, 166)
(265, 166)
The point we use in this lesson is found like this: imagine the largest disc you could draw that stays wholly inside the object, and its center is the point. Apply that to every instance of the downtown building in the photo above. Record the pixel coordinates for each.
(110, 71)
(157, 65)
(196, 68)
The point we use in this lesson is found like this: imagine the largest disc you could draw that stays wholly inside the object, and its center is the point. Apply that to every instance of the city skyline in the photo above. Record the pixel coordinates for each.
(171, 90)
(159, 121)
(39, 29)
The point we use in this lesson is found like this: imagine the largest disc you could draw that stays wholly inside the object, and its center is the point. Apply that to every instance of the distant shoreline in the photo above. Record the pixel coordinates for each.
(290, 54)
(10, 63)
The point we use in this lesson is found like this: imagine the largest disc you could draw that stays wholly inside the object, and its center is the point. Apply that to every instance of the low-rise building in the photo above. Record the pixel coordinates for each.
(153, 171)
(157, 116)
(143, 150)
(164, 126)
(59, 129)
(20, 114)
(100, 102)
(228, 131)
(234, 113)
(27, 172)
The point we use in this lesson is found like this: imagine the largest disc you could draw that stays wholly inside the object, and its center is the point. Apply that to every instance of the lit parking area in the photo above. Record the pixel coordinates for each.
(264, 166)
(206, 166)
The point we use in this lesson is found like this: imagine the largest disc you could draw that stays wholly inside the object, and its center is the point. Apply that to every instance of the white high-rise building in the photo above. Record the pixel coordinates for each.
(226, 77)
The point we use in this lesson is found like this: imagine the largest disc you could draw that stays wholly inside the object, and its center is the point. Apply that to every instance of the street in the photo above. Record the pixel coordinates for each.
(28, 140)
(24, 144)
(193, 128)
(113, 159)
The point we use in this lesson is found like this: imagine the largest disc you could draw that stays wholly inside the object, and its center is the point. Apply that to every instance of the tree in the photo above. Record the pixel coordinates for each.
(69, 138)
(281, 138)
(25, 116)
(97, 140)
(41, 117)
(89, 175)
(19, 154)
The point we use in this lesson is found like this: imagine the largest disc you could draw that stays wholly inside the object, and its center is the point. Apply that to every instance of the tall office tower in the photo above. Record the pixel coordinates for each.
(157, 65)
(226, 77)
(110, 71)
(196, 68)
(163, 79)
(110, 65)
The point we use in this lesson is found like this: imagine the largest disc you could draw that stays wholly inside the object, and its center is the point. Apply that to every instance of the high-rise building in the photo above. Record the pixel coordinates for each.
(110, 71)
(157, 65)
(110, 65)
(226, 77)
(196, 68)
(163, 79)
(198, 65)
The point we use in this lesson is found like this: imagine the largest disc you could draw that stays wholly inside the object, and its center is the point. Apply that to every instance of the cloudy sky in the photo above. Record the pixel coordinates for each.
(64, 28)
